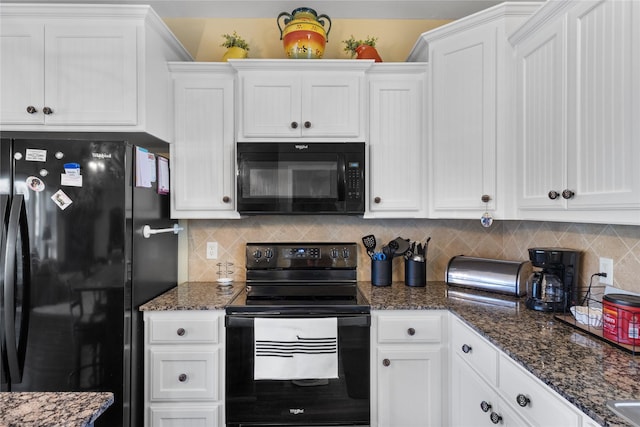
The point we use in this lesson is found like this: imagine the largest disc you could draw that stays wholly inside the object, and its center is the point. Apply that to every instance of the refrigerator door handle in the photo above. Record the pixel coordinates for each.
(4, 204)
(17, 224)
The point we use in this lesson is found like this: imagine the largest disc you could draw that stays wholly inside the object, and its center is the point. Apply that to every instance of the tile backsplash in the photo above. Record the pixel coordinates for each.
(507, 240)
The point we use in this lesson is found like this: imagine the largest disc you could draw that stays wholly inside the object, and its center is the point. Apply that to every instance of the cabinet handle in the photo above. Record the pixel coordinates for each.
(182, 377)
(31, 109)
(294, 125)
(47, 110)
(180, 332)
(495, 418)
(386, 362)
(307, 125)
(568, 194)
(411, 331)
(226, 199)
(485, 198)
(553, 194)
(377, 200)
(485, 406)
(522, 400)
(466, 348)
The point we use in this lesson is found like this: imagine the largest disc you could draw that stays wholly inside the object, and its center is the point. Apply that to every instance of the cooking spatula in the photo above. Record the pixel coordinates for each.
(369, 243)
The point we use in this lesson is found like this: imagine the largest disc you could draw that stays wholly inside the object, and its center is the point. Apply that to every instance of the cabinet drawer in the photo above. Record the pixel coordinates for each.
(475, 350)
(541, 405)
(192, 416)
(191, 373)
(187, 328)
(412, 328)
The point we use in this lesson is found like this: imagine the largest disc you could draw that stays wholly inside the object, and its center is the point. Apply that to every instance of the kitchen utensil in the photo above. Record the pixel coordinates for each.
(369, 243)
(399, 245)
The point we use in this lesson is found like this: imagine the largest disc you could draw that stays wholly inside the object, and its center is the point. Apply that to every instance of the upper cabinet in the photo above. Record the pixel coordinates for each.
(578, 91)
(203, 153)
(469, 109)
(397, 141)
(86, 68)
(302, 99)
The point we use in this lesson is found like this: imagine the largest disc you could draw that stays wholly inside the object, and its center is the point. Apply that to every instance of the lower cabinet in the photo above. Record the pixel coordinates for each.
(184, 368)
(489, 388)
(408, 365)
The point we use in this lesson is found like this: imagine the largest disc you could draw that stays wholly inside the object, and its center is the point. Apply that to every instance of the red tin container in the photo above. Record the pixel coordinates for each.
(621, 318)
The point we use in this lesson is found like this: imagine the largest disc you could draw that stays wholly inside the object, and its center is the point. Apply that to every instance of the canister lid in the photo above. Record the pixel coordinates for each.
(622, 299)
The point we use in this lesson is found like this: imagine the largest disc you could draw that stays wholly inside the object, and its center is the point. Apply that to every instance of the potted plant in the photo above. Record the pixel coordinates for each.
(364, 49)
(236, 46)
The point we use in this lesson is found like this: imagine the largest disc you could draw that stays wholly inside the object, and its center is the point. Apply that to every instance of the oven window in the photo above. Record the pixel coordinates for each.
(291, 179)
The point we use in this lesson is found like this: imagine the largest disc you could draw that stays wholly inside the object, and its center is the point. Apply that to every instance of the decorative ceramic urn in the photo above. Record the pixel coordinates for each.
(304, 35)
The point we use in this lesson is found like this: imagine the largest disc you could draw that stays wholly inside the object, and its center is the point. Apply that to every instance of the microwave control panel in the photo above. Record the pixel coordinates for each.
(355, 189)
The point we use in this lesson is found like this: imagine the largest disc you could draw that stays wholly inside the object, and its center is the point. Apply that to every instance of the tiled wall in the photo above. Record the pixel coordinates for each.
(504, 240)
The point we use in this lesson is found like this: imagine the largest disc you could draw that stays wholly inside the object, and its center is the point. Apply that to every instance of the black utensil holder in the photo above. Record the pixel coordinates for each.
(381, 272)
(415, 273)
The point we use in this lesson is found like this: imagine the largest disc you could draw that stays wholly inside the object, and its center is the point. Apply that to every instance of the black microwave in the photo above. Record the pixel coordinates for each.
(300, 178)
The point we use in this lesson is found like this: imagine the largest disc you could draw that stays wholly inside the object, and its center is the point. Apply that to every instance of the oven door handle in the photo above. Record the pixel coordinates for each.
(246, 321)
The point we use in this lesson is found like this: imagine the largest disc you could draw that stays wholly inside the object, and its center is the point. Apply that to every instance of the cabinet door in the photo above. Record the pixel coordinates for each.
(183, 416)
(270, 105)
(603, 132)
(331, 105)
(463, 128)
(91, 74)
(203, 155)
(397, 148)
(541, 134)
(409, 386)
(21, 72)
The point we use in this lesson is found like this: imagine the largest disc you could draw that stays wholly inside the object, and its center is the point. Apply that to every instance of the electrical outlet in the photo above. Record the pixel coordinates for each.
(212, 250)
(606, 266)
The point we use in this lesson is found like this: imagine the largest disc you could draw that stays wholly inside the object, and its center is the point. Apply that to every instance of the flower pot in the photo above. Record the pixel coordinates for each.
(234, 52)
(368, 52)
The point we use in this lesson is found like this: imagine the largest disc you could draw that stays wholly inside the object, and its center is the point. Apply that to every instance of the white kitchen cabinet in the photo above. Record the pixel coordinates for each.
(469, 111)
(397, 166)
(85, 68)
(578, 88)
(184, 368)
(203, 154)
(408, 361)
(482, 375)
(303, 99)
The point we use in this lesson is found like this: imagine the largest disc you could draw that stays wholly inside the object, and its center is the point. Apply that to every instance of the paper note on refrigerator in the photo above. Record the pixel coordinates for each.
(163, 175)
(145, 167)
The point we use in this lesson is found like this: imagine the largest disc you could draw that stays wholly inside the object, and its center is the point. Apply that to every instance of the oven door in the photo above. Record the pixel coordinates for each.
(343, 401)
(300, 178)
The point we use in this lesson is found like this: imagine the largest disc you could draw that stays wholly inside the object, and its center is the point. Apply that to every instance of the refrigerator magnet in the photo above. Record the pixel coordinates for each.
(70, 180)
(35, 155)
(34, 183)
(62, 200)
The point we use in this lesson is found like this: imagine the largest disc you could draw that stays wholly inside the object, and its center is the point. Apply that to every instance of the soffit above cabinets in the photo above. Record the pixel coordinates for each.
(343, 9)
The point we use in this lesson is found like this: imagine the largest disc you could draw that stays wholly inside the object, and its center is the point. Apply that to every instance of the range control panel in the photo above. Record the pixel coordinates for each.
(301, 255)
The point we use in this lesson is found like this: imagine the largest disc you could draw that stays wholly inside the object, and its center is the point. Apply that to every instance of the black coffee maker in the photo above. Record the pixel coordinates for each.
(555, 286)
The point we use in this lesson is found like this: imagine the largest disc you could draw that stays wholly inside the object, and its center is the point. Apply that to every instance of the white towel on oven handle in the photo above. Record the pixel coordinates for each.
(294, 349)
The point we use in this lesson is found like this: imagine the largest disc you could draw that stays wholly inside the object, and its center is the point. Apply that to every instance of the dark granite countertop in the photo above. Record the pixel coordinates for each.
(52, 409)
(583, 369)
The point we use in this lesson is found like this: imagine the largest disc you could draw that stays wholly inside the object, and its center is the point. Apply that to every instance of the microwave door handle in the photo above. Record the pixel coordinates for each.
(342, 180)
(17, 218)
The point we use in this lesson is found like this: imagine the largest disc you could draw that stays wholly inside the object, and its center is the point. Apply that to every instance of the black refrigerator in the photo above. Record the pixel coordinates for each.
(75, 266)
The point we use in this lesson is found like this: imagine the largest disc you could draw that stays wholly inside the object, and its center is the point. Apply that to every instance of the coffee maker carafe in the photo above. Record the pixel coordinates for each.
(554, 285)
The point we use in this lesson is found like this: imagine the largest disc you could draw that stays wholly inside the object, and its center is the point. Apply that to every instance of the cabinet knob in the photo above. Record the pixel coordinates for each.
(522, 400)
(466, 348)
(182, 377)
(307, 125)
(485, 406)
(47, 110)
(31, 109)
(495, 418)
(180, 332)
(553, 195)
(485, 198)
(411, 331)
(567, 194)
(294, 125)
(226, 199)
(386, 362)
(377, 200)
